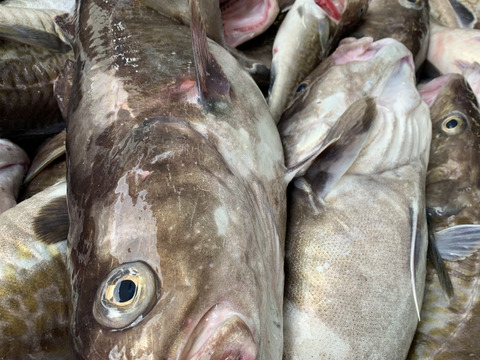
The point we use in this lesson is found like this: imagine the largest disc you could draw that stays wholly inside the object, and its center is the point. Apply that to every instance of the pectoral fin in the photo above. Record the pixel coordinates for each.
(51, 224)
(212, 83)
(340, 148)
(458, 242)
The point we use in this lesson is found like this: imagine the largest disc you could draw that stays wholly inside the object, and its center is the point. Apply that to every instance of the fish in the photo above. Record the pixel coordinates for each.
(33, 282)
(48, 167)
(13, 166)
(356, 242)
(306, 36)
(452, 194)
(453, 50)
(240, 20)
(404, 20)
(176, 194)
(453, 13)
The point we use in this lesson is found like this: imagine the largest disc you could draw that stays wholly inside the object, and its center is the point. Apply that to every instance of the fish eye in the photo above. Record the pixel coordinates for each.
(454, 124)
(126, 296)
(302, 87)
(412, 4)
(361, 12)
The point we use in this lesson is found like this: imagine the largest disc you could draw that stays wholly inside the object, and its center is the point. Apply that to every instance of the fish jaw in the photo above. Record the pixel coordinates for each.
(220, 334)
(243, 20)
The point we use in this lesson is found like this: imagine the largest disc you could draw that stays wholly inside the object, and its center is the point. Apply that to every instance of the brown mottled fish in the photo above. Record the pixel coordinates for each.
(13, 166)
(404, 20)
(33, 291)
(452, 195)
(176, 194)
(357, 233)
(306, 36)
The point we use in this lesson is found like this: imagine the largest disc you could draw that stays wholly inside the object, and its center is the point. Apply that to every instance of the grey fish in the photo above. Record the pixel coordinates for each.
(33, 288)
(306, 36)
(356, 233)
(13, 166)
(452, 196)
(404, 20)
(176, 194)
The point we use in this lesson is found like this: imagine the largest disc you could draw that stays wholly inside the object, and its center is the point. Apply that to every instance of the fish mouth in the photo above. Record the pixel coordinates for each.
(220, 334)
(245, 19)
(333, 8)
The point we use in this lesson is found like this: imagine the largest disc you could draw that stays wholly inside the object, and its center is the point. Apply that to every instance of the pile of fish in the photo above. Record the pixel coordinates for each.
(254, 179)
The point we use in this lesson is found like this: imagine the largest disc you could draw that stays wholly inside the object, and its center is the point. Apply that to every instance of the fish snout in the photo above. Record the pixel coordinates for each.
(221, 334)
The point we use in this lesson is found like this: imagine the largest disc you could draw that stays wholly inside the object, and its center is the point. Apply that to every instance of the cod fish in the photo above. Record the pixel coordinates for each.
(176, 196)
(305, 38)
(356, 234)
(33, 288)
(452, 195)
(453, 50)
(404, 20)
(13, 166)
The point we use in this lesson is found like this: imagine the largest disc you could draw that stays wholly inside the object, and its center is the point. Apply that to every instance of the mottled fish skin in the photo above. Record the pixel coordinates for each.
(452, 196)
(303, 40)
(403, 20)
(33, 294)
(13, 166)
(183, 190)
(453, 50)
(348, 254)
(64, 5)
(28, 108)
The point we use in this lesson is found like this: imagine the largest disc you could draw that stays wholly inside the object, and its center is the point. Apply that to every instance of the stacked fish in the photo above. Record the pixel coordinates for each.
(239, 179)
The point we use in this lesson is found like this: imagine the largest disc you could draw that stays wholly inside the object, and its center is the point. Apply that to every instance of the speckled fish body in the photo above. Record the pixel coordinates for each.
(453, 13)
(403, 20)
(453, 50)
(353, 251)
(176, 196)
(452, 196)
(28, 108)
(33, 301)
(305, 38)
(13, 166)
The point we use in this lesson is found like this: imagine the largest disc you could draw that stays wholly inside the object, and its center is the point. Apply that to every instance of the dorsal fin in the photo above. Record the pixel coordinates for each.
(212, 83)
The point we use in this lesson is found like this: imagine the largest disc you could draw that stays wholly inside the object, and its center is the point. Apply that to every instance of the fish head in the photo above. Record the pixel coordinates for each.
(452, 172)
(173, 237)
(358, 68)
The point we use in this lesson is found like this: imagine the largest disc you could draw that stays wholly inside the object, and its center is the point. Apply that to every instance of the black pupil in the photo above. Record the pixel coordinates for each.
(451, 124)
(125, 291)
(301, 87)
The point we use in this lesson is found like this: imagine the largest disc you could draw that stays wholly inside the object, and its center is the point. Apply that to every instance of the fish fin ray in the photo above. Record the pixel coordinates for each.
(416, 243)
(458, 242)
(212, 83)
(343, 146)
(51, 224)
(433, 255)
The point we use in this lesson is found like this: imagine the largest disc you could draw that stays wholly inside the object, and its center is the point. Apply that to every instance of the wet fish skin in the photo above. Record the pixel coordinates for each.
(33, 301)
(453, 13)
(305, 37)
(452, 193)
(350, 259)
(13, 166)
(453, 50)
(402, 20)
(209, 212)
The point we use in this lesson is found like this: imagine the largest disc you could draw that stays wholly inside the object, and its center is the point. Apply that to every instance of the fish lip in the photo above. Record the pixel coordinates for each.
(206, 336)
(332, 8)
